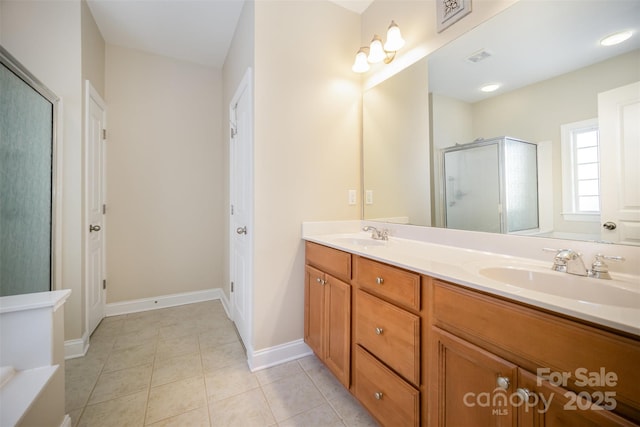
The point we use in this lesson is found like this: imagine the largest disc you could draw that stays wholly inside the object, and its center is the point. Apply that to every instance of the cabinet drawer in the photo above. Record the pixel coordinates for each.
(390, 333)
(535, 339)
(390, 282)
(390, 399)
(329, 260)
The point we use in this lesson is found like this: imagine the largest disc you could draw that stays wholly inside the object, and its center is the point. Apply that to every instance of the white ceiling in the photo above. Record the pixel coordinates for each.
(198, 31)
(532, 41)
(357, 6)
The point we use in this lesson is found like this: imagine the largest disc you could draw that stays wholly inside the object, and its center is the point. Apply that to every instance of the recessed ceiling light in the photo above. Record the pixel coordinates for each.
(490, 88)
(616, 38)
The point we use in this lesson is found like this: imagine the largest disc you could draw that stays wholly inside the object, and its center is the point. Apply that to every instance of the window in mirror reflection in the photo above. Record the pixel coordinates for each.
(581, 170)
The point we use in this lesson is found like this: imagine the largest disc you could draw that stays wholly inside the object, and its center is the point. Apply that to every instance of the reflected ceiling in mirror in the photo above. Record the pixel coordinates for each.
(550, 68)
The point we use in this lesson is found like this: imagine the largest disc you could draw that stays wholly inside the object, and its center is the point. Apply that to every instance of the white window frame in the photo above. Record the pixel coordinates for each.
(569, 171)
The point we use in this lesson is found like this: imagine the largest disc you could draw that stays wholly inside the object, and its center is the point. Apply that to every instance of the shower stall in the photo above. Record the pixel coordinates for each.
(491, 185)
(27, 153)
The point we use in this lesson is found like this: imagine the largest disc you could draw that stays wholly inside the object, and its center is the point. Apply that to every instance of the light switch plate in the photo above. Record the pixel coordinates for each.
(368, 197)
(352, 197)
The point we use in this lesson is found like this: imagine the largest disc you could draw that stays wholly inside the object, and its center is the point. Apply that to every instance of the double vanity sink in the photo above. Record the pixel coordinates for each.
(413, 328)
(611, 302)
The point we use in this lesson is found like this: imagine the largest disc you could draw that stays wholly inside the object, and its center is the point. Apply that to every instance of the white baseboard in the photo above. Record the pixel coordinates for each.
(164, 301)
(277, 355)
(226, 304)
(76, 348)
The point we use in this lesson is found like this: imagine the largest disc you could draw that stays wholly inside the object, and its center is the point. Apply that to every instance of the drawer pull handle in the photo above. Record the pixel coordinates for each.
(503, 383)
(379, 280)
(378, 395)
(379, 331)
(524, 394)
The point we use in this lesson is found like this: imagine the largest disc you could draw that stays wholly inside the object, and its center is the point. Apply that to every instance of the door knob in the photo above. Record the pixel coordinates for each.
(241, 230)
(609, 225)
(94, 228)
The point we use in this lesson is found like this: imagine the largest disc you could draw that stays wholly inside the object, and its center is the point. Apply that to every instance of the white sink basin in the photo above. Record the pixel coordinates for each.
(359, 241)
(583, 289)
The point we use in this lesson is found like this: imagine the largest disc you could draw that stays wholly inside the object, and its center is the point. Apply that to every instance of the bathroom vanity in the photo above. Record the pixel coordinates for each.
(420, 337)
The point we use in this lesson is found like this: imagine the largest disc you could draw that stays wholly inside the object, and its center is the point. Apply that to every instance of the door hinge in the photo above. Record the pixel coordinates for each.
(104, 134)
(231, 209)
(233, 133)
(104, 284)
(231, 286)
(104, 209)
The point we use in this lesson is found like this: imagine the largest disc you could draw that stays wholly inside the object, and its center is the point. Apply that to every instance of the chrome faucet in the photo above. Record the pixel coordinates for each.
(568, 261)
(377, 234)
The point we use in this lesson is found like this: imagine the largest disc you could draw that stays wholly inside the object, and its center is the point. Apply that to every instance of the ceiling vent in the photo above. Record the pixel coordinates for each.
(478, 56)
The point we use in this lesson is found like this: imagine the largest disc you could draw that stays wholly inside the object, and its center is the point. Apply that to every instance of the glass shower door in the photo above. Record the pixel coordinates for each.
(472, 188)
(26, 151)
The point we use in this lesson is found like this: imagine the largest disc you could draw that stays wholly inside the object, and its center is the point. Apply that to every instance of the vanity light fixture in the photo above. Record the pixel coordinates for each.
(616, 38)
(490, 87)
(377, 51)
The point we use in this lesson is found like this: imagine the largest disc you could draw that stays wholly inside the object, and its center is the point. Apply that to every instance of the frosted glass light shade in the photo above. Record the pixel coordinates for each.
(394, 38)
(376, 52)
(361, 65)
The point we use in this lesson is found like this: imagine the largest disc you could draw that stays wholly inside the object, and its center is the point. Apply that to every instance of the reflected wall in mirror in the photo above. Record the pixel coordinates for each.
(547, 58)
(396, 152)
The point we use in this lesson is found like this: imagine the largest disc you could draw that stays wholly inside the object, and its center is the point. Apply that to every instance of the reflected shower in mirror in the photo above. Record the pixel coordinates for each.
(550, 69)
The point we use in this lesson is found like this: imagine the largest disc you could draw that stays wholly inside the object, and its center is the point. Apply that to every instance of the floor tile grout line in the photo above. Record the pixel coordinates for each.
(153, 365)
(204, 378)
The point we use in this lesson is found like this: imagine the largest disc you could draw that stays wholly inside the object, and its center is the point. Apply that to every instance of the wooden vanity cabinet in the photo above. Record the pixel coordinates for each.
(468, 380)
(418, 351)
(387, 342)
(327, 308)
(483, 346)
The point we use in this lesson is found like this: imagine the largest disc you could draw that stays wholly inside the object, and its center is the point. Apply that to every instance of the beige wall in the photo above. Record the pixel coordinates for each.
(45, 37)
(395, 117)
(164, 176)
(307, 150)
(93, 51)
(239, 58)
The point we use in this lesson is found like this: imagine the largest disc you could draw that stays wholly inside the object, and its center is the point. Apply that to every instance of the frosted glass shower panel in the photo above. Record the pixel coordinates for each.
(491, 185)
(26, 129)
(521, 185)
(472, 189)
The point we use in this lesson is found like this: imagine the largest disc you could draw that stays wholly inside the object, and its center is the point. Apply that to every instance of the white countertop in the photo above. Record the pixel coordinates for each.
(459, 265)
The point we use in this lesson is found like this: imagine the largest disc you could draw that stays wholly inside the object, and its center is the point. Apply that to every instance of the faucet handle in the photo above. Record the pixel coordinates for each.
(599, 269)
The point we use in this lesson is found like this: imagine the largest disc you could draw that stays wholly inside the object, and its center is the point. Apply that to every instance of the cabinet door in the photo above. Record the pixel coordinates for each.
(473, 385)
(542, 404)
(338, 328)
(314, 305)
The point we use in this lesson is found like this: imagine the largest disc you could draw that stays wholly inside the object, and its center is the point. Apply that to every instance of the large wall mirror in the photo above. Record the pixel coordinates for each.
(552, 73)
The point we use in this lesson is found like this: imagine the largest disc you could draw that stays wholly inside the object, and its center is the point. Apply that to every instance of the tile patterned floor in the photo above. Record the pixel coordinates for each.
(184, 366)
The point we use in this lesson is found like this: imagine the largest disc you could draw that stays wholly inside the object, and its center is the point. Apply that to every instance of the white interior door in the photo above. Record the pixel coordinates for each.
(619, 123)
(95, 206)
(241, 219)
